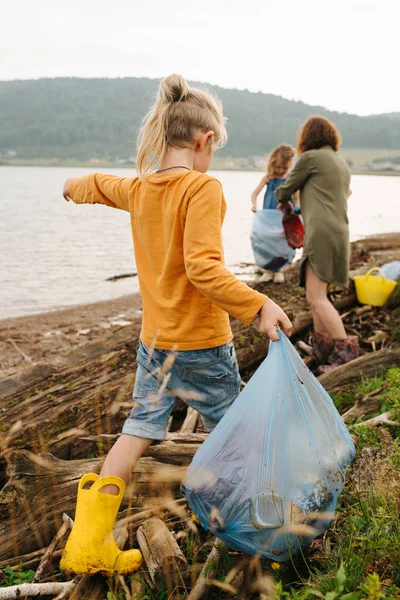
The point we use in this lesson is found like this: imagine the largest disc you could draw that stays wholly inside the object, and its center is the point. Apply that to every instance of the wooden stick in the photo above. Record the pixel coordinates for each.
(382, 419)
(125, 588)
(190, 422)
(364, 405)
(44, 563)
(35, 589)
(27, 561)
(207, 572)
(22, 353)
(66, 592)
(83, 582)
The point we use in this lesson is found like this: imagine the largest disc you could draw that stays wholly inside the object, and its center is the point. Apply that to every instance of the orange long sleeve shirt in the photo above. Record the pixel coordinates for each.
(176, 220)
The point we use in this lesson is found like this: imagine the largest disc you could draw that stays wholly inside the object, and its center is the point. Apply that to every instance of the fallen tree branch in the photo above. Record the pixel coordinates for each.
(22, 353)
(35, 589)
(380, 241)
(382, 419)
(364, 366)
(44, 563)
(66, 592)
(28, 561)
(364, 405)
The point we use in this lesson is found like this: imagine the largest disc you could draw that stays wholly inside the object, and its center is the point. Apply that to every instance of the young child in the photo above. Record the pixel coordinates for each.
(176, 214)
(280, 162)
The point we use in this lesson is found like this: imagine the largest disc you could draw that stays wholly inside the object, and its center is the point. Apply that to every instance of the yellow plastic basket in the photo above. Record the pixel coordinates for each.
(373, 290)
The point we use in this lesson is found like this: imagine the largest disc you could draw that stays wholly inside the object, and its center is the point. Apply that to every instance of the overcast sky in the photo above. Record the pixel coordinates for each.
(341, 54)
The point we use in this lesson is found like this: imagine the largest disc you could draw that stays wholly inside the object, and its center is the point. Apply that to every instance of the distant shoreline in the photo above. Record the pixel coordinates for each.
(67, 163)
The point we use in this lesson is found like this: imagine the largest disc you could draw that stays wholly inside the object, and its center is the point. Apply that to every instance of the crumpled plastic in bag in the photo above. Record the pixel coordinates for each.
(268, 240)
(267, 479)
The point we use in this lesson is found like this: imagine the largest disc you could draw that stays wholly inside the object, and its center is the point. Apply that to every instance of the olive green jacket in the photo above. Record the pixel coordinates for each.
(323, 178)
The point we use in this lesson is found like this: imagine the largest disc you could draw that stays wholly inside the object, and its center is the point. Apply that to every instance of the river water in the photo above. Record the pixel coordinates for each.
(56, 254)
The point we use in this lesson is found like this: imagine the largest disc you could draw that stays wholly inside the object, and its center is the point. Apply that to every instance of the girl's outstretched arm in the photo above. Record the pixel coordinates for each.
(99, 188)
(258, 189)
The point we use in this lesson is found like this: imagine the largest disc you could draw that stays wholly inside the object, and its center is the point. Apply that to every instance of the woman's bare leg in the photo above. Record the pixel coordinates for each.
(319, 326)
(122, 458)
(326, 318)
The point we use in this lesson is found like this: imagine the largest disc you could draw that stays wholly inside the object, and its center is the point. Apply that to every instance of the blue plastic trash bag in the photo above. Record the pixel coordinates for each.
(390, 270)
(270, 248)
(267, 479)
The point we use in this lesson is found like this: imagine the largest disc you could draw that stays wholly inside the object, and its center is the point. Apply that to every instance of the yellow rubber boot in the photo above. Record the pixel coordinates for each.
(91, 547)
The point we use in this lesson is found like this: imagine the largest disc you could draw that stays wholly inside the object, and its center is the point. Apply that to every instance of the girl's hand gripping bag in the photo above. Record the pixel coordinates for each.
(267, 479)
(268, 240)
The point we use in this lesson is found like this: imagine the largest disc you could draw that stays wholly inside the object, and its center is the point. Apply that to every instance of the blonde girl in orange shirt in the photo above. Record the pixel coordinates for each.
(176, 212)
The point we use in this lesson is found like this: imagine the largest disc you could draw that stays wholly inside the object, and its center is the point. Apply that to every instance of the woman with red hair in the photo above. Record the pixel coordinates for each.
(323, 179)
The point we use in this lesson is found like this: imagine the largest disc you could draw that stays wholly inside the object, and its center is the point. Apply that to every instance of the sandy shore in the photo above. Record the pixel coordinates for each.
(46, 336)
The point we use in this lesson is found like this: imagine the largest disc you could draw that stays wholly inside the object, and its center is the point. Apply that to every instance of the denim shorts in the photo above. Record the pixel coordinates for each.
(208, 380)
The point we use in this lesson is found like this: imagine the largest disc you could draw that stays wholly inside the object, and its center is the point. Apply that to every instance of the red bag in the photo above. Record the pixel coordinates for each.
(293, 228)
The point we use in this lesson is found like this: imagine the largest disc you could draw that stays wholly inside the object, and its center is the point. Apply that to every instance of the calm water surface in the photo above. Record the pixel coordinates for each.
(54, 254)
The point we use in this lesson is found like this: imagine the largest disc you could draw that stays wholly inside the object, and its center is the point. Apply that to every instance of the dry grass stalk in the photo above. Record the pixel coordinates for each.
(171, 506)
(46, 559)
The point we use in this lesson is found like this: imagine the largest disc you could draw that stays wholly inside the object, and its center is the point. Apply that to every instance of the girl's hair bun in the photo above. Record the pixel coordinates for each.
(173, 88)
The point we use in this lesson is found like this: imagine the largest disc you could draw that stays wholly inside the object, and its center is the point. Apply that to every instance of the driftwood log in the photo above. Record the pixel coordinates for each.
(385, 241)
(370, 364)
(160, 550)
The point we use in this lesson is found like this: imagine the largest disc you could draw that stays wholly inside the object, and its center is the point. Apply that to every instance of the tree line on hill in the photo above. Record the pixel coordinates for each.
(86, 118)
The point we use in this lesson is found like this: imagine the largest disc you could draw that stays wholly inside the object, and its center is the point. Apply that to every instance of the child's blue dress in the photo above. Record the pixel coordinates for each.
(270, 200)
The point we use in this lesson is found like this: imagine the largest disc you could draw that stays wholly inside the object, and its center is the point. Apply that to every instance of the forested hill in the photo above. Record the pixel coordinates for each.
(86, 118)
